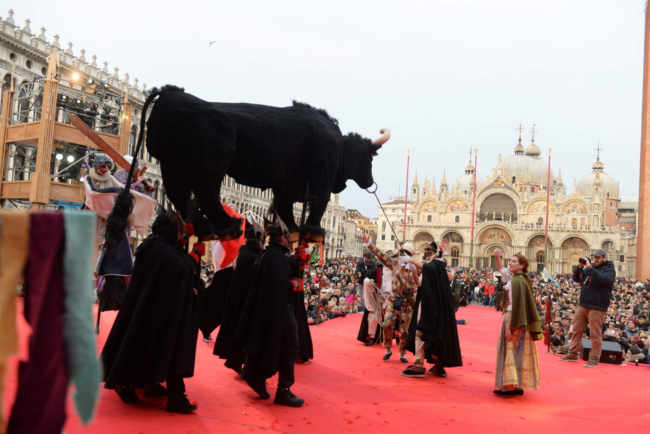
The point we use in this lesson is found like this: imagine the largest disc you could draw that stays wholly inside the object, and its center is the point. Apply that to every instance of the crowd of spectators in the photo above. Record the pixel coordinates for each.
(627, 320)
(332, 290)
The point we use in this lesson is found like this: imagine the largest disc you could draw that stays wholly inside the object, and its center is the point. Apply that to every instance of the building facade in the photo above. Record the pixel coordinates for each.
(43, 157)
(510, 214)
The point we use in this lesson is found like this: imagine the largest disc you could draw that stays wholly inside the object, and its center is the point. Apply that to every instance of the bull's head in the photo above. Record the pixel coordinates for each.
(358, 152)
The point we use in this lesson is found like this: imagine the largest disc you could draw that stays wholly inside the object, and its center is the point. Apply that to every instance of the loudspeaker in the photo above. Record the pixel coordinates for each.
(612, 352)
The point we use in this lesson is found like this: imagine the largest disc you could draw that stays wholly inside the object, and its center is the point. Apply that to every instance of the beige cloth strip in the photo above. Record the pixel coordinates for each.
(14, 249)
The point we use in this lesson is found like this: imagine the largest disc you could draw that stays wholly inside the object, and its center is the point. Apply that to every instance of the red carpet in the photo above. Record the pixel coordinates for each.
(348, 388)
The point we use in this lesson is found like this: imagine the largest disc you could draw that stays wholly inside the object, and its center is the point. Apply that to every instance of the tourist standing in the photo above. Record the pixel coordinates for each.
(517, 361)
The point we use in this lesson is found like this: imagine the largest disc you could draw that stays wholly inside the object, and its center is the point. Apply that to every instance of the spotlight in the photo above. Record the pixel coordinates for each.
(75, 76)
(78, 101)
(70, 158)
(90, 81)
(59, 157)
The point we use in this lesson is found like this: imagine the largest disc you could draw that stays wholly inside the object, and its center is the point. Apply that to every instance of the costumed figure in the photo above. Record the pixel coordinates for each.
(399, 305)
(517, 361)
(115, 262)
(140, 185)
(243, 278)
(298, 263)
(373, 317)
(268, 324)
(154, 336)
(433, 334)
(100, 180)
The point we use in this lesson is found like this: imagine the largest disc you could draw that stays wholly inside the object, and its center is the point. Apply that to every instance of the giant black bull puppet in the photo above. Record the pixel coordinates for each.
(297, 151)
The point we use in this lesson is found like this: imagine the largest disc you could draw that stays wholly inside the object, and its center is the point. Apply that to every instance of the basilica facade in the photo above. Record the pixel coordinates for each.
(510, 214)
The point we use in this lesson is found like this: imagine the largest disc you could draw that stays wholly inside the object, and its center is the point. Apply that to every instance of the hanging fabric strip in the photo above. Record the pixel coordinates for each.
(78, 333)
(14, 244)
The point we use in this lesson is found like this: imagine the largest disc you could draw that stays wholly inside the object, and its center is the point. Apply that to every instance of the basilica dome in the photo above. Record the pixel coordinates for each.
(528, 168)
(598, 177)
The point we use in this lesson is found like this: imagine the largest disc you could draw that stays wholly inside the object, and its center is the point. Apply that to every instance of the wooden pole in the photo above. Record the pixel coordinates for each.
(471, 258)
(548, 206)
(406, 197)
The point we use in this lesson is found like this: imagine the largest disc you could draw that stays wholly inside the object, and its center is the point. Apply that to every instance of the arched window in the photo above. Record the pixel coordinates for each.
(429, 219)
(539, 257)
(22, 103)
(457, 219)
(132, 139)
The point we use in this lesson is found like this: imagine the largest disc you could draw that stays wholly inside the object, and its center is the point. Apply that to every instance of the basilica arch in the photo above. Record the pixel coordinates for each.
(489, 239)
(420, 240)
(455, 247)
(536, 252)
(498, 207)
(573, 247)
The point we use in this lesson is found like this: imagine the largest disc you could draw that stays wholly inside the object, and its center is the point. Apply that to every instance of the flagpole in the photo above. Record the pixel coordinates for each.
(406, 196)
(548, 206)
(471, 253)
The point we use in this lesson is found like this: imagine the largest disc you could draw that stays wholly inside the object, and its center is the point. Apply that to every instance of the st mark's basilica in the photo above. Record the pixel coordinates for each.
(510, 215)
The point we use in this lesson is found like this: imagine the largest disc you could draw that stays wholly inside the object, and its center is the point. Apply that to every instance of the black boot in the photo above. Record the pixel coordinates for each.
(178, 403)
(284, 396)
(258, 386)
(127, 394)
(154, 390)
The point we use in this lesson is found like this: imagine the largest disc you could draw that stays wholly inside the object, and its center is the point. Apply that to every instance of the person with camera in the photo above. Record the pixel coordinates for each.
(597, 280)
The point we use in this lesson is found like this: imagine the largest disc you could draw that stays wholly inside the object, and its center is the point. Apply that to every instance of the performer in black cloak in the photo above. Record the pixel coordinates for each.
(268, 323)
(213, 301)
(374, 302)
(298, 263)
(154, 335)
(432, 333)
(243, 278)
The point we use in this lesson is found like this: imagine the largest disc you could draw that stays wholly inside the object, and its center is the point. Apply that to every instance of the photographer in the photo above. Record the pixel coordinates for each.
(597, 284)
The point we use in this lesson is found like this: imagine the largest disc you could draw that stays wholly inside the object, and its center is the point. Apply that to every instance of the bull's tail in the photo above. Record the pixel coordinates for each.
(117, 220)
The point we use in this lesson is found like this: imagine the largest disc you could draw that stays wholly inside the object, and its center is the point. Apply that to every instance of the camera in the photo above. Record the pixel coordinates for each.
(583, 261)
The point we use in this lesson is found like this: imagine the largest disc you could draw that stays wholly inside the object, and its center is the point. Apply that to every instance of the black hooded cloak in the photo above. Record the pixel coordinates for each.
(437, 319)
(297, 299)
(243, 278)
(266, 313)
(155, 332)
(213, 301)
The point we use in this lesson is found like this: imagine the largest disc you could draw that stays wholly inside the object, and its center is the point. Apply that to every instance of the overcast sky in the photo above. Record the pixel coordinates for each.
(443, 75)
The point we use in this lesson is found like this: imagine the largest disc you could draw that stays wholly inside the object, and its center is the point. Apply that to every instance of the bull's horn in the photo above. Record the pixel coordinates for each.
(385, 135)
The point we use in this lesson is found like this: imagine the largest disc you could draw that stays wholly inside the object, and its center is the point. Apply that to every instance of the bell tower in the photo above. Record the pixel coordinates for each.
(643, 228)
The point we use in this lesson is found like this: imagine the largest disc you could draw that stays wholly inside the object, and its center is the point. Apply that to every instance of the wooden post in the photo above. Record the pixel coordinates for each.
(5, 115)
(40, 189)
(125, 122)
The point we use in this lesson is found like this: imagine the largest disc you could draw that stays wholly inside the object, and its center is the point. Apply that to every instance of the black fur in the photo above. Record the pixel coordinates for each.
(292, 150)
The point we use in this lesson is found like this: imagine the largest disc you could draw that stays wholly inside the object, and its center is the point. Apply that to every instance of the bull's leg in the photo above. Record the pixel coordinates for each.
(312, 229)
(225, 227)
(284, 209)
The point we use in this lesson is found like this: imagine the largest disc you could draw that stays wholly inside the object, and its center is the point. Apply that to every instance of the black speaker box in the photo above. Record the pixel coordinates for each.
(612, 352)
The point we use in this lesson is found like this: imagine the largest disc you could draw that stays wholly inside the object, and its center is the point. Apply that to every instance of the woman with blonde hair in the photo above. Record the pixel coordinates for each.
(517, 361)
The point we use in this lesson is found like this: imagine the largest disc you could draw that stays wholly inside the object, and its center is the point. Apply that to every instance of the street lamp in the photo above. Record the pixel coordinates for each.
(70, 159)
(59, 157)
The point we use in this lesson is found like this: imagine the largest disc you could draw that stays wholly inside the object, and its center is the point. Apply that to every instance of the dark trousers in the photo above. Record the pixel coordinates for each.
(289, 350)
(175, 384)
